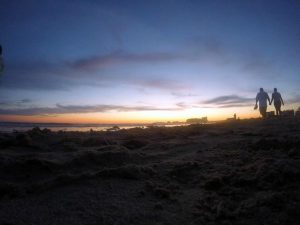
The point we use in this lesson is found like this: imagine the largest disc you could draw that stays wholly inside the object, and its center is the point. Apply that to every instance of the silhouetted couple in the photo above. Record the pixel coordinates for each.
(262, 97)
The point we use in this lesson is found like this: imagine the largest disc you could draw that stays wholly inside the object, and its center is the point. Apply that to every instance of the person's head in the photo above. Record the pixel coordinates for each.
(261, 89)
(275, 89)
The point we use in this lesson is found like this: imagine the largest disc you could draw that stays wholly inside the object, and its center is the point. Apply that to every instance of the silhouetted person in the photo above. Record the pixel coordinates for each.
(276, 96)
(262, 98)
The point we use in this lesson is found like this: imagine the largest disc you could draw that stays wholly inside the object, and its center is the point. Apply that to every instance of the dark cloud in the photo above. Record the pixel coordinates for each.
(66, 75)
(64, 79)
(163, 84)
(66, 109)
(120, 57)
(36, 76)
(228, 101)
(25, 100)
(17, 103)
(236, 105)
(183, 105)
(87, 71)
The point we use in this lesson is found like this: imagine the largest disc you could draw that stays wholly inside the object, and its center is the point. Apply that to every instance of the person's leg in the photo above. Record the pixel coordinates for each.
(263, 111)
(277, 107)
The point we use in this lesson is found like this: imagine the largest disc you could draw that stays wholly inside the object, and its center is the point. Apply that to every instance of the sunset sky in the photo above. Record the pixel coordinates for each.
(145, 61)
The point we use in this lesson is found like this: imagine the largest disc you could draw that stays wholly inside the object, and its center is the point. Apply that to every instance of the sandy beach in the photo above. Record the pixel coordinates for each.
(242, 172)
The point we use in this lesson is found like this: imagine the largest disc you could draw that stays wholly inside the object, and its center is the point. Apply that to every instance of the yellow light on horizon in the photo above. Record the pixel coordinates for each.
(114, 117)
(213, 114)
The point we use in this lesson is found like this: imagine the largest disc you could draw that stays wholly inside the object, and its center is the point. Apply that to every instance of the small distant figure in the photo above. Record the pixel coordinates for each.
(1, 60)
(276, 96)
(262, 97)
(232, 118)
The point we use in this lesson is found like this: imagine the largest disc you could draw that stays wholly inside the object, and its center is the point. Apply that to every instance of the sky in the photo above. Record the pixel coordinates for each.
(145, 61)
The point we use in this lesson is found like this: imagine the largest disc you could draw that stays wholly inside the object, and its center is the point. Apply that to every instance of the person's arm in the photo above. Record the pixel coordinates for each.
(272, 99)
(256, 100)
(269, 99)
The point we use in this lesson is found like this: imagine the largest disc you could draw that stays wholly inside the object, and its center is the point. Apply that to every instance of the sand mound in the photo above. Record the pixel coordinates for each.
(240, 173)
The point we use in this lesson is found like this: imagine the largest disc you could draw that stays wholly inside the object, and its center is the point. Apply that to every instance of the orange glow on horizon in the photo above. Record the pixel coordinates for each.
(135, 117)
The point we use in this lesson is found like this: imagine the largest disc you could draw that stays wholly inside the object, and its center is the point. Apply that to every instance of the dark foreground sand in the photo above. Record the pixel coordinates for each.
(247, 172)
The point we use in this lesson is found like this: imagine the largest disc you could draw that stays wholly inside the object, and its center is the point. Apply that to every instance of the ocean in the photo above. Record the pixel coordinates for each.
(14, 126)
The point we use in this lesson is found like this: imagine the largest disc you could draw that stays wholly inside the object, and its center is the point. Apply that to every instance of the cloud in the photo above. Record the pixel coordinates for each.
(42, 75)
(121, 57)
(17, 103)
(183, 105)
(39, 75)
(183, 95)
(228, 101)
(25, 100)
(71, 109)
(164, 84)
(87, 71)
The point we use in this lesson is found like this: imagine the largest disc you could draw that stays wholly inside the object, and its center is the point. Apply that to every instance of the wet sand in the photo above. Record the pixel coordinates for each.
(242, 172)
